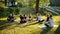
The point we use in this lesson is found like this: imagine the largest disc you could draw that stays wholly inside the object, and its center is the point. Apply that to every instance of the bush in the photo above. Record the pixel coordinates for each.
(5, 12)
(1, 11)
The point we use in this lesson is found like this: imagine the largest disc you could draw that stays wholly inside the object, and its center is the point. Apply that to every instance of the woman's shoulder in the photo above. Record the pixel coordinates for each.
(51, 19)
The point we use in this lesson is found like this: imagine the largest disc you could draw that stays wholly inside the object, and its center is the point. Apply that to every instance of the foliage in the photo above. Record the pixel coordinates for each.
(44, 2)
(32, 3)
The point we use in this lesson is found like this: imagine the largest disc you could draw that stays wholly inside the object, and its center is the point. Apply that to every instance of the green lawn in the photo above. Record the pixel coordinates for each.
(30, 28)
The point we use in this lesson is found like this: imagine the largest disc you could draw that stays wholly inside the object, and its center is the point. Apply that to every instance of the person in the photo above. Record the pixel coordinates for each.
(39, 18)
(11, 18)
(24, 16)
(23, 19)
(30, 18)
(49, 20)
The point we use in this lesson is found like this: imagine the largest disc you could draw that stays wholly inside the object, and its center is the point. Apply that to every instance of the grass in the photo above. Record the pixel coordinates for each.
(30, 28)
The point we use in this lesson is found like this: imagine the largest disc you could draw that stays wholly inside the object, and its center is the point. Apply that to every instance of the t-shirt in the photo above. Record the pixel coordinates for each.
(51, 22)
(39, 18)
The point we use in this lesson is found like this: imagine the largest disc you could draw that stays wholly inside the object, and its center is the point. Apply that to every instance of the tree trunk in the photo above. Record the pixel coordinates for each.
(37, 6)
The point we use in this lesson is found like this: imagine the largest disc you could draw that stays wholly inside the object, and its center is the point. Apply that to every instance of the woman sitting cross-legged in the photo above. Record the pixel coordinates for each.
(39, 18)
(50, 21)
(23, 19)
(30, 17)
(11, 18)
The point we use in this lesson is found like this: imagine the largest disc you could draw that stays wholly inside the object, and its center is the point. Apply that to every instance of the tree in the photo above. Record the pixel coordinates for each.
(37, 6)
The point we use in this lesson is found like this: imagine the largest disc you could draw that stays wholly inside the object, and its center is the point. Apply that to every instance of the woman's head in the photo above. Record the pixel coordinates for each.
(21, 15)
(49, 15)
(38, 14)
(24, 15)
(11, 14)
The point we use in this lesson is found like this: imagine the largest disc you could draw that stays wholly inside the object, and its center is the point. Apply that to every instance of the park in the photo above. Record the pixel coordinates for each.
(29, 16)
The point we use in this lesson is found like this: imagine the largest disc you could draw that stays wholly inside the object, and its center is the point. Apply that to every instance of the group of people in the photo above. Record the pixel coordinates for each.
(49, 22)
(23, 18)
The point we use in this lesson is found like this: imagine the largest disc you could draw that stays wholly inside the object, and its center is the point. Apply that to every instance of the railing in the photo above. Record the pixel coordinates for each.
(53, 10)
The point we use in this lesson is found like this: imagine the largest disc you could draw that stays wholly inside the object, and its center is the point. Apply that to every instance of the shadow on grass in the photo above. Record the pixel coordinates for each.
(45, 31)
(4, 24)
(57, 30)
(29, 24)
